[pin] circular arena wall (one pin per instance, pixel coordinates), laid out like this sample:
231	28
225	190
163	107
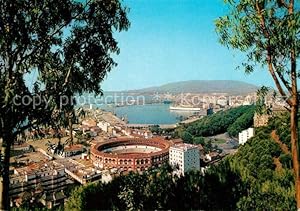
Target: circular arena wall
130	154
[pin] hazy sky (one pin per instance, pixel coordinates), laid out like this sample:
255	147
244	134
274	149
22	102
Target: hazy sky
174	40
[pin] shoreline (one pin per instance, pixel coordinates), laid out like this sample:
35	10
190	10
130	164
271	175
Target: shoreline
111	116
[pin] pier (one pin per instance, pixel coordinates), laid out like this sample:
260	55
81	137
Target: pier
163	126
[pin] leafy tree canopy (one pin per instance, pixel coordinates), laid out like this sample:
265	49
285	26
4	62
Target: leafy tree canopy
51	50
64	46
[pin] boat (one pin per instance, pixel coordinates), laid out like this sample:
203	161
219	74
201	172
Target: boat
183	108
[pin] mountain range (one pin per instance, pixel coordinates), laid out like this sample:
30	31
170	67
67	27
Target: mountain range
202	86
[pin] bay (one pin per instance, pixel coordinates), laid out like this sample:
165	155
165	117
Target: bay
148	113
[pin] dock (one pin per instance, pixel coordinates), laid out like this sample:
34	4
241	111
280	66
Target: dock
163	126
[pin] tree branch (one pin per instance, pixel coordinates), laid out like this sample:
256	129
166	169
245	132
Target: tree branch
283	80
277	83
30	125
25	56
269	54
67	76
293	63
282	2
291	6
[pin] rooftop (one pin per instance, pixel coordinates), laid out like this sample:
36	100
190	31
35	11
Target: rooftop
89	122
177	141
38	167
75	147
22	145
32	157
184	146
41	168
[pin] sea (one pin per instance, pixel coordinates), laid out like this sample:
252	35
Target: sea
148	114
145	109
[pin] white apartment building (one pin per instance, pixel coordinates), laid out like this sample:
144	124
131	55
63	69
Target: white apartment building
185	157
245	135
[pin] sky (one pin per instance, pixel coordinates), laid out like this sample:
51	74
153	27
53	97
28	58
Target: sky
175	40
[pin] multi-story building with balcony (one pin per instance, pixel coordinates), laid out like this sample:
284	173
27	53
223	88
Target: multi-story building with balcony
184	157
46	178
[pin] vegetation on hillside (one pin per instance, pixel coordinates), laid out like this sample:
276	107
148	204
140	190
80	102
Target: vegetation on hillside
267	180
233	121
156	189
264	171
243	122
267	32
219	122
257	177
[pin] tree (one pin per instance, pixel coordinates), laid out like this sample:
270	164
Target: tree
261	107
70	119
199	140
63	48
187	137
268	32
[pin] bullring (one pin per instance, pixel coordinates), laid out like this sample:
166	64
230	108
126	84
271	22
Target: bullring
130	154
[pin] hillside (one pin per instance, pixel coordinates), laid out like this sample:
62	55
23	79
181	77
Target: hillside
233	121
203	86
257	177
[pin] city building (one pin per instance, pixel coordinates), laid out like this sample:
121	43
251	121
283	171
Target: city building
261	120
104	126
94	131
46	178
89	122
23	147
212	156
222	101
185	157
83	172
245	135
71	150
54	199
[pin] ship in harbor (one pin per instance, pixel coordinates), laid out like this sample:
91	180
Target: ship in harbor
184	108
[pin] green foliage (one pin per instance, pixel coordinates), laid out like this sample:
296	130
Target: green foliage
254	162
268	32
221	122
157	189
65	64
286	160
282	125
246	180
156	129
243	29
66	47
242	122
199	140
221	188
261	94
187	137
